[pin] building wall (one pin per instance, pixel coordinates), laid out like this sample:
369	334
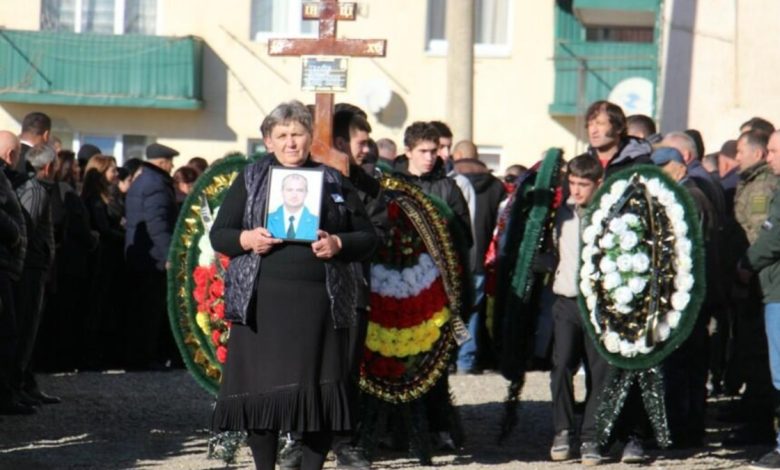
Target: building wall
242	83
731	72
716	72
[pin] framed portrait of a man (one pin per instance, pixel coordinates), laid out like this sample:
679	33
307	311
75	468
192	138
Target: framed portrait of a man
294	202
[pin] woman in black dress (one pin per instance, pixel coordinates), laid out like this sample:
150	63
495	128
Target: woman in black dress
291	353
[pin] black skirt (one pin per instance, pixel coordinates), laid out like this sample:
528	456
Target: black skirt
288	369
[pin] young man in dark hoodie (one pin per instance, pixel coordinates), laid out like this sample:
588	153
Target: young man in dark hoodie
489	192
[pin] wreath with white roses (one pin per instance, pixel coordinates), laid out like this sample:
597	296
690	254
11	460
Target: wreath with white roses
641	272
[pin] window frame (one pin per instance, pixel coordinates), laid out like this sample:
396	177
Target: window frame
491	150
119	17
294	23
438	47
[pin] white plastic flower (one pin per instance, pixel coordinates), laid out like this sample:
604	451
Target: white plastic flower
612	280
642	347
628	240
625	262
666	197
598	217
631	220
618	226
683	264
641	263
680	229
607	201
673	318
623	295
627	348
607	241
586	270
589	234
624	309
589	251
585	288
683	282
676	213
606	265
611	342
653	185
637	284
680	300
591	302
618	187
662	331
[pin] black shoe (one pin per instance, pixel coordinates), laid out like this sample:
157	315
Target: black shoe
633	452
24	398
42	397
290	455
15	408
770	460
352	458
590	453
561	447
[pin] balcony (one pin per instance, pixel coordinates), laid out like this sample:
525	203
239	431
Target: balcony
635	13
66	68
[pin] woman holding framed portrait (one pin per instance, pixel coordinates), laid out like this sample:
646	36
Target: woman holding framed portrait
295	233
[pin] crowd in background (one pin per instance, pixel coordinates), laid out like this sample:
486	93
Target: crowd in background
68	273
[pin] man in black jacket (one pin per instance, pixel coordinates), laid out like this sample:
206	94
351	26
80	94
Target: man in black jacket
35	198
489	192
13	243
36	129
151	215
609	140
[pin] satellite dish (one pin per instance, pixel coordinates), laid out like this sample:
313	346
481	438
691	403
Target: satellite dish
634	95
374	94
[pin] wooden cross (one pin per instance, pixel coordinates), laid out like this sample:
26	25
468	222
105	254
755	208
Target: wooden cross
328	12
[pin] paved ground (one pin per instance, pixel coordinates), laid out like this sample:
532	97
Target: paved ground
157	420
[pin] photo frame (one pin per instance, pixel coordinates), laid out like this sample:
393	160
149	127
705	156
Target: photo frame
294	203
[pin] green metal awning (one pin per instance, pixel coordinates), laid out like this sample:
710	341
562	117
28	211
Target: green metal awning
616	12
49	67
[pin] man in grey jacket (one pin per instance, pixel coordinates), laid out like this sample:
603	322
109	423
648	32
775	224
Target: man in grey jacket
571	344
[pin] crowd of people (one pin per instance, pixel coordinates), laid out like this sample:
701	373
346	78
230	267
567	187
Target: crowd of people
85	247
85	243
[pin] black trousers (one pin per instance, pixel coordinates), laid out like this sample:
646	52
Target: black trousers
685	383
148	329
8	335
571	346
29	308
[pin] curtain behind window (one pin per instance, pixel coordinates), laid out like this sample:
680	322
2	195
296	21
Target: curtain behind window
58	15
491	22
140	16
97	16
279	17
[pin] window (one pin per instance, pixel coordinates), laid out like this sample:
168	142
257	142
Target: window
619	34
490	156
100	16
491	27
280	18
121	147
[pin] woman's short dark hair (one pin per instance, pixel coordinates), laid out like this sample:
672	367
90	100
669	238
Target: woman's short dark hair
418	132
586	166
615	114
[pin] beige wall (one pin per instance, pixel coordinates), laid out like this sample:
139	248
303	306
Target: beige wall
242	83
726	76
733	67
